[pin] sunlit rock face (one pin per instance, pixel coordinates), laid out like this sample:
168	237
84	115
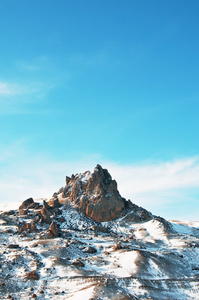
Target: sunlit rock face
96	195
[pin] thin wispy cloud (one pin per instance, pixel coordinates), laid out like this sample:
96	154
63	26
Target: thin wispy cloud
40	63
15	89
10	89
178	174
16	97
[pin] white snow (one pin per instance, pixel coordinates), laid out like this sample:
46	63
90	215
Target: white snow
140	264
123	263
9	206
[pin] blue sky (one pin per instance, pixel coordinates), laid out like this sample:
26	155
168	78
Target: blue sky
109	82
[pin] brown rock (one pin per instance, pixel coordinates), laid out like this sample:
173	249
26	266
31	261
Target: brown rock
54	203
45	204
13	246
46	213
53	230
33	226
96	195
67	180
22	228
78	263
90	249
23	212
117	247
34	205
8	231
8	213
32	275
25	204
28	226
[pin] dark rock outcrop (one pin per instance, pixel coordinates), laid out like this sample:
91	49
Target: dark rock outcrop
32	275
91	250
53	230
46	213
95	194
54	203
25	204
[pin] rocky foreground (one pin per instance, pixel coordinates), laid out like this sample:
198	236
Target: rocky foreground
87	242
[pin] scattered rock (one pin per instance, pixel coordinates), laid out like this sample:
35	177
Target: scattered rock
91	250
23	212
33	226
78	263
32	275
46	213
13	246
2	284
117	247
34	205
9	231
8	213
98	228
53	230
54	203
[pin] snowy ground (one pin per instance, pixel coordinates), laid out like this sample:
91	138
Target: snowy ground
115	260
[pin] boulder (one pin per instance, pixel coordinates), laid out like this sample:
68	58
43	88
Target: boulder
53	230
46	213
78	263
25	204
91	250
54	203
23	212
35	205
32	275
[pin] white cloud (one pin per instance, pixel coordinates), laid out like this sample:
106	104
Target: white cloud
14	89
166	188
178	174
16	97
8	89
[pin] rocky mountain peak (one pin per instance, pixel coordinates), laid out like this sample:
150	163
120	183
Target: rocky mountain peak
96	195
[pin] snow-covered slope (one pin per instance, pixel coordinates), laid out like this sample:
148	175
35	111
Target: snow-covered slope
119	259
87	242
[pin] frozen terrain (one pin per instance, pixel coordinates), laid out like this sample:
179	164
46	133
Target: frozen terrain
89	243
119	259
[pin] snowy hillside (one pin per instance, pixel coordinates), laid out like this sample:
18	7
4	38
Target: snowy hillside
55	251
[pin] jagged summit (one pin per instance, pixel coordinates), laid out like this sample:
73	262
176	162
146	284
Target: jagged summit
96	195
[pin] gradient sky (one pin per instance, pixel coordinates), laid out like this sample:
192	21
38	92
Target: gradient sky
109	82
